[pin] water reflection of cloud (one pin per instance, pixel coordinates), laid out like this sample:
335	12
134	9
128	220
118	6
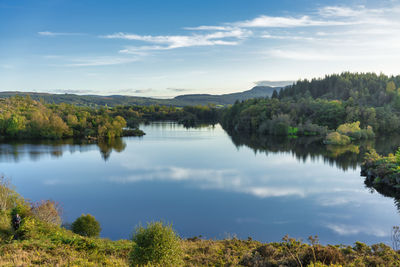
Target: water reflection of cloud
210	178
259	186
274	191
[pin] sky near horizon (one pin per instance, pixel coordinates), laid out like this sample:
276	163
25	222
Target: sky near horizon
163	48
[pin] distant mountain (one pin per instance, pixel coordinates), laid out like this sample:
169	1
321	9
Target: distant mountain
114	100
224	99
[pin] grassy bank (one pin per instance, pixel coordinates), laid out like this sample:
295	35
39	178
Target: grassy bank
65	249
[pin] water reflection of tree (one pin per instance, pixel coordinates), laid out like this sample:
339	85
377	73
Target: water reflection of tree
304	148
35	150
343	157
107	146
386	191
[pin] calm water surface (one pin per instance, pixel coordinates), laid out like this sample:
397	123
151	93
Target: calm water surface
208	184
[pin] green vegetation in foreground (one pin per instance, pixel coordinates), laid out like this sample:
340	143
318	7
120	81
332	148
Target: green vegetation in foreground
40	240
86	225
321	107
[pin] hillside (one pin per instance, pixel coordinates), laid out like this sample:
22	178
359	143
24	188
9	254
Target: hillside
114	100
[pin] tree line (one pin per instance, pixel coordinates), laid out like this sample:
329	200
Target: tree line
25	118
321	105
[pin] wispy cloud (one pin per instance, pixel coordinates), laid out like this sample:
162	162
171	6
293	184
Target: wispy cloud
286	22
166	42
338	34
100	61
73	91
135	91
287	37
343	229
48	33
209	28
86	61
305	55
178	89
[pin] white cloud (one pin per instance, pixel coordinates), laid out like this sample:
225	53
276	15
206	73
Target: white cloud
209	28
341	11
48	33
166	42
346	36
287	37
100	61
305	55
286	22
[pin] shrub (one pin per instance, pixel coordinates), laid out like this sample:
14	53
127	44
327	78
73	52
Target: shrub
8	196
349	128
29	229
86	225
22	208
397	155
48	211
157	244
336	138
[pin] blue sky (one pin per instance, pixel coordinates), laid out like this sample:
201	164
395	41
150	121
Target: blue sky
163	48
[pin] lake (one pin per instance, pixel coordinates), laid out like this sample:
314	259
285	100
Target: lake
208	183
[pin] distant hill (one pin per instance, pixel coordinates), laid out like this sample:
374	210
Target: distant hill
224	99
114	100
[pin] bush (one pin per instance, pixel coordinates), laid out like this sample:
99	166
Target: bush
47	211
349	128
157	244
8	196
86	225
336	138
30	229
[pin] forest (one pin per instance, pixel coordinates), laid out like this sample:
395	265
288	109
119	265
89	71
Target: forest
368	102
25	118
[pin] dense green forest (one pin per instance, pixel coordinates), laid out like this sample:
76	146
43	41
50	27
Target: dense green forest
320	106
22	117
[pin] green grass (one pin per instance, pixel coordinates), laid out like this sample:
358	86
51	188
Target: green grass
53	245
